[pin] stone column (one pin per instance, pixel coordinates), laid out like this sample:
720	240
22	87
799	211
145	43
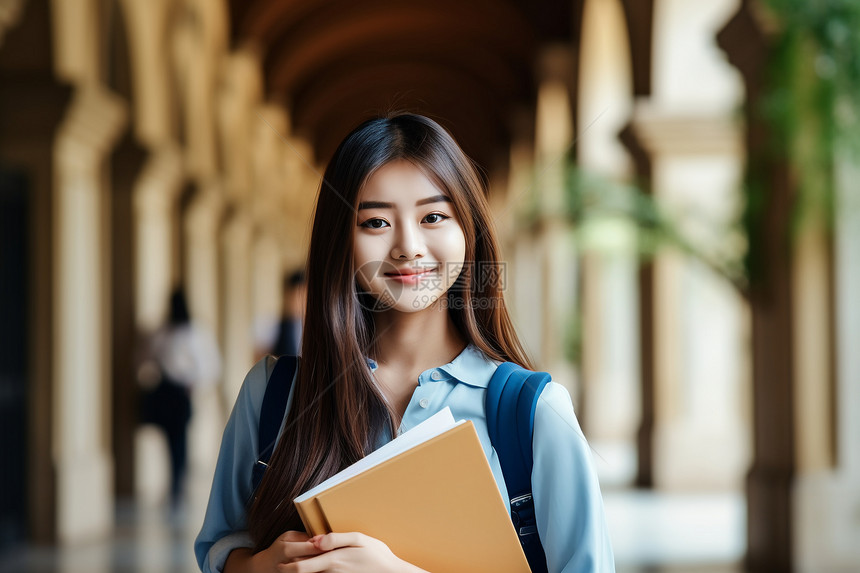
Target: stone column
82	304
270	185
297	192
199	41
155	196
826	527
770	480
81	281
512	215
699	319
202	277
237	248
237	104
146	22
607	243
204	285
554	241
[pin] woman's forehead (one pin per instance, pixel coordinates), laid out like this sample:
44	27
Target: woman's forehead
399	181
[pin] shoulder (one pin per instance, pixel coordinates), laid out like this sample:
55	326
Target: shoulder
556	426
250	397
555	394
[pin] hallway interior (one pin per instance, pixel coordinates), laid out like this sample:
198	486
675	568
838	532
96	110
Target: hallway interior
683	533
682	262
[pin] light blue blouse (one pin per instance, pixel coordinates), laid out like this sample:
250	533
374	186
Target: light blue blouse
568	504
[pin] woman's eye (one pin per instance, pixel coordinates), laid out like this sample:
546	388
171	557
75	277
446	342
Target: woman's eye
374	223
437	217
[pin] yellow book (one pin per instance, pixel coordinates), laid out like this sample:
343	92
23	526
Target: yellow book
432	499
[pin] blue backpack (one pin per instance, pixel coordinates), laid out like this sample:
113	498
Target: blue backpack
511	402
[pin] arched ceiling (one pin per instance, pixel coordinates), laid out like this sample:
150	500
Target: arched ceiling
467	63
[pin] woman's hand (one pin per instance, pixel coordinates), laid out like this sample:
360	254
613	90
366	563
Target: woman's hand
289	547
350	553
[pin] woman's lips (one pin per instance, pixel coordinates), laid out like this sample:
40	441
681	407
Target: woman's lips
410	278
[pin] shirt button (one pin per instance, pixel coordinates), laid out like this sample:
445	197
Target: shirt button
423	402
435	375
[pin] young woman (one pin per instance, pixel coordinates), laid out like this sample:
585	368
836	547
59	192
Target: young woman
404	317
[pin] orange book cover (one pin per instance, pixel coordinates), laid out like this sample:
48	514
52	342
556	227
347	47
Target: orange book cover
435	505
312	517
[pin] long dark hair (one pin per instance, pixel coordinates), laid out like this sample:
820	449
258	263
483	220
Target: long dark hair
179	314
337	411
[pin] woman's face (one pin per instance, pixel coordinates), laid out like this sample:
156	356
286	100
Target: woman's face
409	247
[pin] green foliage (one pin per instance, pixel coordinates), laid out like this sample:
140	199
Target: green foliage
595	201
812	94
611	218
810	104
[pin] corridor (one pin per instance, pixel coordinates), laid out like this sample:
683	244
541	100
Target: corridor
673	187
651	533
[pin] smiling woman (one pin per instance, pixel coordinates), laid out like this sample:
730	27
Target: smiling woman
400	323
409	246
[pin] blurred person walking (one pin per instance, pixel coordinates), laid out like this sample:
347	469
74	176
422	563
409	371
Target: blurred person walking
186	356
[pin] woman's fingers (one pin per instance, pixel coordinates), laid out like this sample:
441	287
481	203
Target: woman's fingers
316	564
294	545
331	541
341	552
294	536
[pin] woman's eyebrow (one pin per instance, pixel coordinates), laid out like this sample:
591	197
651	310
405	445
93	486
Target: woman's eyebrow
384	205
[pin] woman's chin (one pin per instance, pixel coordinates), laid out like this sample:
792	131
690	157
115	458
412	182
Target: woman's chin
411	305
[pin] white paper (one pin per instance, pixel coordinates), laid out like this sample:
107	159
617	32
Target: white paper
436	424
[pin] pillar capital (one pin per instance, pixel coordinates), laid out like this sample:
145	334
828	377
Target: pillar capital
92	126
237	104
147	22
161	177
76	40
665	131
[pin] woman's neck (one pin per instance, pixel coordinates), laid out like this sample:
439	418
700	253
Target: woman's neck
414	342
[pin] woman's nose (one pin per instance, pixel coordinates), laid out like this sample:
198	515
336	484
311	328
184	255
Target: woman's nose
408	243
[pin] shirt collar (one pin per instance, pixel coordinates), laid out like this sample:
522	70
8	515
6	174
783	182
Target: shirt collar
470	367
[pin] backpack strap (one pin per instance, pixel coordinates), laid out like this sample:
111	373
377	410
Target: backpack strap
272	414
512	398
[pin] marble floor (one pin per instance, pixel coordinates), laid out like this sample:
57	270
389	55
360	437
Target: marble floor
651	533
659	532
